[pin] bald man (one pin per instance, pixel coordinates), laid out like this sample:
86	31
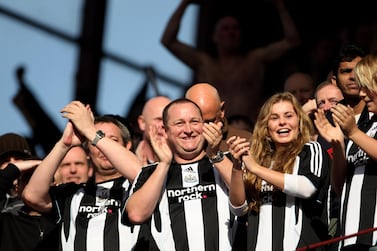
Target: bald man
151	115
207	98
301	85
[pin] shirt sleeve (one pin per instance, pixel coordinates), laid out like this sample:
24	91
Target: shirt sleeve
315	166
298	186
7	176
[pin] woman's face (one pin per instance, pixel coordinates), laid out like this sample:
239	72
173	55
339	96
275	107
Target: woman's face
370	99
283	125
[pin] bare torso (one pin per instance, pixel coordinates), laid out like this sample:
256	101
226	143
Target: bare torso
239	83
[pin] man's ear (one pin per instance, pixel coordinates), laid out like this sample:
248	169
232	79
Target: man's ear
333	79
90	171
222	109
129	145
141	122
164	130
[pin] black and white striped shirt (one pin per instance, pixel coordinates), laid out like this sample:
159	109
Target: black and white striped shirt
193	213
91	216
359	195
285	222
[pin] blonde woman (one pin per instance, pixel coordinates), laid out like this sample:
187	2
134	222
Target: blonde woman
281	179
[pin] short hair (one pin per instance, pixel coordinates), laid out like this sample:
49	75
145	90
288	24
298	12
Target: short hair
175	102
347	53
109	118
322	85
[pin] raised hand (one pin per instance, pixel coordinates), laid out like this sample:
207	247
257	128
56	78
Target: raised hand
159	143
24	165
71	137
213	134
345	117
332	134
80	115
238	147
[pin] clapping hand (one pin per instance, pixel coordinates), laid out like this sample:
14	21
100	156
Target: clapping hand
345	117
159	143
332	134
239	148
213	134
80	115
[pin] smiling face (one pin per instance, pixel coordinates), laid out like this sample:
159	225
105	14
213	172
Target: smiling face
184	127
370	99
283	124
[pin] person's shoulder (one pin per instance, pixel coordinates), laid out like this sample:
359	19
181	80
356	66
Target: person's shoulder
147	171
313	145
69	187
314	148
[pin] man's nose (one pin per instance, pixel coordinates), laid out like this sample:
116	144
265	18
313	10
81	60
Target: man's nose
187	127
73	168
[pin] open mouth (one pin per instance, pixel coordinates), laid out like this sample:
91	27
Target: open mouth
283	131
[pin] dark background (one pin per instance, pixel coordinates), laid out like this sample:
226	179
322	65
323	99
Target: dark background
323	26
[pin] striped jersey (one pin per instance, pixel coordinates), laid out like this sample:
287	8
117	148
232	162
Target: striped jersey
193	212
91	216
359	195
285	222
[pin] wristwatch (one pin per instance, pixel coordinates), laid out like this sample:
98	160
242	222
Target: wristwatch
99	135
218	157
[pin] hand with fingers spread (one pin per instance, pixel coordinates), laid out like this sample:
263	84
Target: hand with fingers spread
213	134
345	117
160	145
332	134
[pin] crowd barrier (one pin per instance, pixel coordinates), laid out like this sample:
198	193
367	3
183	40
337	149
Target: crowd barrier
336	239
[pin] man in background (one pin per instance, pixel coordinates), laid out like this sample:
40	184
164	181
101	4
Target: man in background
150	116
75	167
238	76
207	98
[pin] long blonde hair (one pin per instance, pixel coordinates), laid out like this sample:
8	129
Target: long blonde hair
263	149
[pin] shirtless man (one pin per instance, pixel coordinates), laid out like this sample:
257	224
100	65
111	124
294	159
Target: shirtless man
237	76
